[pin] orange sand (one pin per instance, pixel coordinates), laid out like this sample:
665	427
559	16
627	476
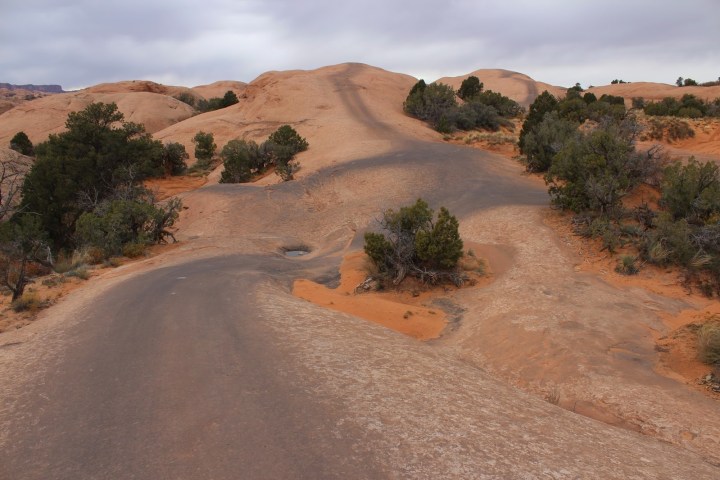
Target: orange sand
406	310
395	310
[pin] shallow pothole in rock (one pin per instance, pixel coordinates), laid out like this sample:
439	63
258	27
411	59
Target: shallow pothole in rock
296	251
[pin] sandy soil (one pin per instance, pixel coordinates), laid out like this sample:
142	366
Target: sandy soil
413	309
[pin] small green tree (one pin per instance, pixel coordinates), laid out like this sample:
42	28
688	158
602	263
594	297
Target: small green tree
229	99
286	136
174	158
440	247
205	148
239	161
545	140
412	244
22	144
544	103
470	87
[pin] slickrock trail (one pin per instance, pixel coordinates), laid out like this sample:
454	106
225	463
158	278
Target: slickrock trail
202	365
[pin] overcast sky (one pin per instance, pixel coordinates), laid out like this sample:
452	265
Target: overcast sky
79	43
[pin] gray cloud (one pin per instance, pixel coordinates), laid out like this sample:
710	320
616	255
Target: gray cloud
84	42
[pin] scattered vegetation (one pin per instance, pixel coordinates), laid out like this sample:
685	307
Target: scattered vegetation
84	194
414	242
685	82
242	160
591	165
215	103
29	302
670	129
688	106
437	104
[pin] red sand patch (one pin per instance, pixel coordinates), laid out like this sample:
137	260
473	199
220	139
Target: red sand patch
406	310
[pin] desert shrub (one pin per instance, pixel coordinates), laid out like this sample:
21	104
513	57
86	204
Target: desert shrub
689	106
504	106
543	104
29	302
22	144
670	242
174	158
594	170
638	102
691	191
431	103
627	265
709	342
94	255
80	272
286	136
240	160
187	98
545	140
470	87
679	130
216	103
134	249
413	244
114	224
589	98
205	147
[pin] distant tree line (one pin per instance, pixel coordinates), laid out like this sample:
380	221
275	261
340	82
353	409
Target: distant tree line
215	103
245	160
688	106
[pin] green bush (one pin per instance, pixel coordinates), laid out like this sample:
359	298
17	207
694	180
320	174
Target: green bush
216	103
545	140
286	136
22	144
544	103
117	223
205	147
187	98
174	158
414	244
470	87
627	265
240	160
691	191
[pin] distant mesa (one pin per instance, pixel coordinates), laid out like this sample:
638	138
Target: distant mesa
34	88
